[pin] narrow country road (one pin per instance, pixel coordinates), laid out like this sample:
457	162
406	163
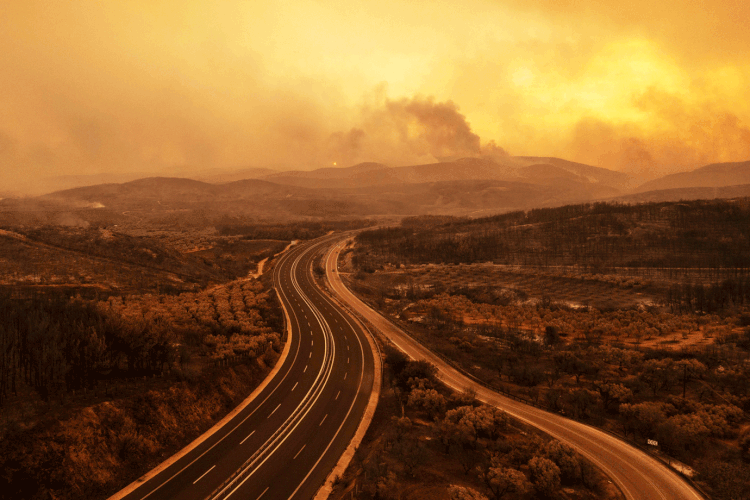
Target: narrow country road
639	476
286	440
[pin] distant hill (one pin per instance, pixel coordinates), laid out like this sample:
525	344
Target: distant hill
458	170
545	172
714	175
179	201
376	174
45	185
520	169
219	176
360	175
600	175
42	185
366	175
155	195
171	191
470	197
468	186
459	187
678	194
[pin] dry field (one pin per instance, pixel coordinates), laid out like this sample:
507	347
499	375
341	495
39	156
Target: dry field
534	284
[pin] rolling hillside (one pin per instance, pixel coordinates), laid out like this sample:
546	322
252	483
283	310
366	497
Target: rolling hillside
714	175
533	170
468	186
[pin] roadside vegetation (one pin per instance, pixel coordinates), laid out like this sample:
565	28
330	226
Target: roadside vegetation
426	442
98	388
105	260
663	356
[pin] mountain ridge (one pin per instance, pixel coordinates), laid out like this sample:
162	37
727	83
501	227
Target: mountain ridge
466	186
712	175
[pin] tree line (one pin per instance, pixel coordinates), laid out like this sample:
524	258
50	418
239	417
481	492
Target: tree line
489	452
55	345
711	298
696	234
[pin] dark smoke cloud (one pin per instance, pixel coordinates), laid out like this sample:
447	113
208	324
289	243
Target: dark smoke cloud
439	126
408	131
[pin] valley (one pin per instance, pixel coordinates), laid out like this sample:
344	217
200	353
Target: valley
628	317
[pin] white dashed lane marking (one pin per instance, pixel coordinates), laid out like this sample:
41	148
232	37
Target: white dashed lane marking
241	442
209	470
274	411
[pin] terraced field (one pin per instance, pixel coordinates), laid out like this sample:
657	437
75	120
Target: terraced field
601	292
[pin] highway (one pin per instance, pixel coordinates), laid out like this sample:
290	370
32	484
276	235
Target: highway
639	476
284	443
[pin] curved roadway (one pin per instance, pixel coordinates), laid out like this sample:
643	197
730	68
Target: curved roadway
284	443
638	475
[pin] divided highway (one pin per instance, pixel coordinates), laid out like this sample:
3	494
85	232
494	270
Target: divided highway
285	442
639	476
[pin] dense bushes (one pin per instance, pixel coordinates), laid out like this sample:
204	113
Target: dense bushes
622	369
696	234
55	345
104	447
487	451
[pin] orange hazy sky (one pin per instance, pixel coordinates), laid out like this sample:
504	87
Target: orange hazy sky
173	86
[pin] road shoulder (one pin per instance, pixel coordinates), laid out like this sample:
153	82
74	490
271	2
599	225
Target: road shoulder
346	458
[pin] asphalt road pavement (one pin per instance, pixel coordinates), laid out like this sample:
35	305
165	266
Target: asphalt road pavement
284	443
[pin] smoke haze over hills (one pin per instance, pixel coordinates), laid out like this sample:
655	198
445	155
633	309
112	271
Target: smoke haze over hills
173	88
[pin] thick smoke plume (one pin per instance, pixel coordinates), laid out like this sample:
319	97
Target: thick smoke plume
409	131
